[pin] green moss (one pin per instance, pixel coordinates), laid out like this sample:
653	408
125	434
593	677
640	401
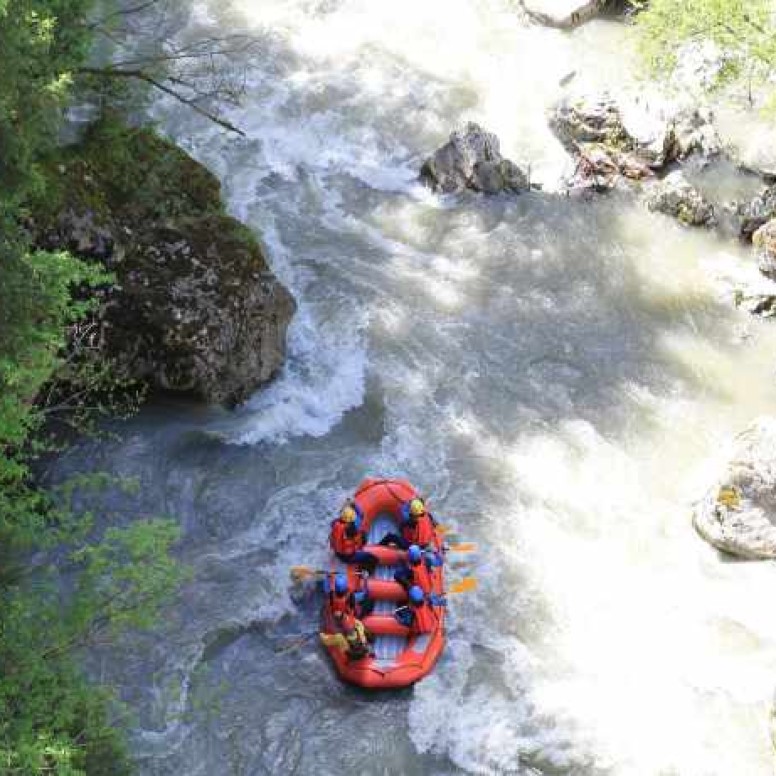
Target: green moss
129	173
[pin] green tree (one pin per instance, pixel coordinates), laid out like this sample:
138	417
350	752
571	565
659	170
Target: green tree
51	720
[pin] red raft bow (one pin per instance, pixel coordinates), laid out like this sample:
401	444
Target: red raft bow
400	654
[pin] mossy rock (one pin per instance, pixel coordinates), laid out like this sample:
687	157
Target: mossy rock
195	307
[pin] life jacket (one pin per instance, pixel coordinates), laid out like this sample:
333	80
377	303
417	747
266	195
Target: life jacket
421	576
341	542
420	531
358	643
340	603
423	618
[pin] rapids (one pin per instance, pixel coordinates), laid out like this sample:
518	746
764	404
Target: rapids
558	375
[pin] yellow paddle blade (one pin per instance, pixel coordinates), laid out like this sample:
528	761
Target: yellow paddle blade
464	547
298	573
464	586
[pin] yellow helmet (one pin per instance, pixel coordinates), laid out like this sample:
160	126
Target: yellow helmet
348	514
417	507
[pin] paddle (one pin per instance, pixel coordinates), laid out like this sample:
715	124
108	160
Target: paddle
463	547
295	643
300	573
465	585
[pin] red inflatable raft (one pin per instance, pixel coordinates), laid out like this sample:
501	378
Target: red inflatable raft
401	657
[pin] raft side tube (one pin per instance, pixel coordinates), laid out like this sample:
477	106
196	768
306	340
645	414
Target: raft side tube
386	556
380	625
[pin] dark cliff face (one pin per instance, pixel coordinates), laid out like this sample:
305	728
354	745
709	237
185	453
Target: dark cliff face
195	307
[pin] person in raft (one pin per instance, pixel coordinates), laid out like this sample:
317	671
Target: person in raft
418	569
353	638
347	538
418	615
342	600
417	527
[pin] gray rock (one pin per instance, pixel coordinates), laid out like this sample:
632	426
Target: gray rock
738	515
585	119
760	303
754	214
675	197
471	159
764	241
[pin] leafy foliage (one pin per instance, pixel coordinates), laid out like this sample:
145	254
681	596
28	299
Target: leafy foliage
742	31
51	720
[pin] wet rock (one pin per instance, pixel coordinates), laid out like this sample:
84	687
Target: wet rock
563	14
194	307
675	197
589	119
754	214
760	303
764	241
738	516
471	159
634	137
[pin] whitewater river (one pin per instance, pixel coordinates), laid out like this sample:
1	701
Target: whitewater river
559	376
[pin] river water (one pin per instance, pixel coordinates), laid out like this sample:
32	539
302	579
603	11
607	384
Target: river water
560	377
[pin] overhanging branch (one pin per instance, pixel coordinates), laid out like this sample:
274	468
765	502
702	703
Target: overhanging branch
141	75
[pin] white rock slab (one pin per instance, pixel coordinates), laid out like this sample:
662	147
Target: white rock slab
738	515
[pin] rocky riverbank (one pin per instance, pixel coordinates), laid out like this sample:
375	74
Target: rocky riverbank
194	307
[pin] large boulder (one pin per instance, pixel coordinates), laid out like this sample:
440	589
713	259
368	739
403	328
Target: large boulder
738	515
634	134
471	159
675	197
194	307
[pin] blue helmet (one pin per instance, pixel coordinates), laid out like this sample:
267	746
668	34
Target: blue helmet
340	584
416	595
413	553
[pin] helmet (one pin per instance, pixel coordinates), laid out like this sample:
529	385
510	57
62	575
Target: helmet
347	514
417	507
340	584
413	554
416	595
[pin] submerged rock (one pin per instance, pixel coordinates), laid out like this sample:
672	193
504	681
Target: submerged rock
738	516
471	159
675	197
195	307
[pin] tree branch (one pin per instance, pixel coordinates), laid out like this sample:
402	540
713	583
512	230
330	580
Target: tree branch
143	76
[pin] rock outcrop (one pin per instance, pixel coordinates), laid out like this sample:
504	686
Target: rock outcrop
636	143
471	159
195	307
738	516
674	196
